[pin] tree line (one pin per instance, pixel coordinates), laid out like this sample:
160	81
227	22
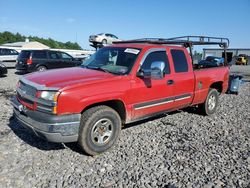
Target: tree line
8	37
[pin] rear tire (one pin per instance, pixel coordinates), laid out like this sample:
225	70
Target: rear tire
99	130
41	68
210	105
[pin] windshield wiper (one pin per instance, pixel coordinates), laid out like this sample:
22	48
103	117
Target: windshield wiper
97	68
101	69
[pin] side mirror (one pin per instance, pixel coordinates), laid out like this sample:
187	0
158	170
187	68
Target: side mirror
156	71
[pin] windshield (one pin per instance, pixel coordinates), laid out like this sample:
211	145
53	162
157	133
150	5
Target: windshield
116	60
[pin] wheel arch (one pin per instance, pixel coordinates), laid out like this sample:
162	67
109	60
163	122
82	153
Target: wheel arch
218	86
116	104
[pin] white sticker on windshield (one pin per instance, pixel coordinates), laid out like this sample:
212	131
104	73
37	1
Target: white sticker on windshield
131	50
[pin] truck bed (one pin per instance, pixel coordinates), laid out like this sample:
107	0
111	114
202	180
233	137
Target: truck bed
204	77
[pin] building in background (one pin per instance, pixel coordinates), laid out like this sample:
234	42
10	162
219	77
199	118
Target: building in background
34	45
18	46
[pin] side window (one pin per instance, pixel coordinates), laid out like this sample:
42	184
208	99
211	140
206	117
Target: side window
156	56
1	51
14	52
24	54
180	61
54	55
66	56
39	54
8	52
113	36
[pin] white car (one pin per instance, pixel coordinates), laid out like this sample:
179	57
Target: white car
103	38
8	55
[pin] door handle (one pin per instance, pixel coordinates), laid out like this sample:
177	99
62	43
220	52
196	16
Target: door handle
170	82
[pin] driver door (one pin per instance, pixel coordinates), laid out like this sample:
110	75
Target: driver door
150	96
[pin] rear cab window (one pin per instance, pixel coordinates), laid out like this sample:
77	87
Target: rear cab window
179	60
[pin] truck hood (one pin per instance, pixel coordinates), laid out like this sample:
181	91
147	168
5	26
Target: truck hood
68	77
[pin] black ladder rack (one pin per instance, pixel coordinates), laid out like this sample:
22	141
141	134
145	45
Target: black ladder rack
186	41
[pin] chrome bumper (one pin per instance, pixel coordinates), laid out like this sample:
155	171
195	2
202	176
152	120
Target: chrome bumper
54	128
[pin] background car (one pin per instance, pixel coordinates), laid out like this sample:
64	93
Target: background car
41	60
242	60
211	61
3	69
8	55
103	38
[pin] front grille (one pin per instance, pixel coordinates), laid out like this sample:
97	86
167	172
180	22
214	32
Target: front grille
30	102
29	90
26	93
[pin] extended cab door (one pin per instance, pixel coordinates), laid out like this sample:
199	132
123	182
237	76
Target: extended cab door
183	82
150	96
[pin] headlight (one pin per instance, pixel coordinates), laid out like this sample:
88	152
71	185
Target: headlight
47	101
49	95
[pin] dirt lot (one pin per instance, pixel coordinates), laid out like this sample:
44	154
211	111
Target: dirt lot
183	149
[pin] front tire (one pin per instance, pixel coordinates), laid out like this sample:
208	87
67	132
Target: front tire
99	130
210	105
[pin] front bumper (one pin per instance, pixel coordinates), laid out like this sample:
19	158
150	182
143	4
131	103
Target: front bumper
54	128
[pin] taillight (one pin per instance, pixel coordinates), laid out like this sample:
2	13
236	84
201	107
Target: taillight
29	61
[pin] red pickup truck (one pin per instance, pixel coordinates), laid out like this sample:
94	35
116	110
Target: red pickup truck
119	84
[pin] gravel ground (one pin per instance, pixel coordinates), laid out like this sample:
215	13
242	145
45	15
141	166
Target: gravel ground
242	70
182	149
